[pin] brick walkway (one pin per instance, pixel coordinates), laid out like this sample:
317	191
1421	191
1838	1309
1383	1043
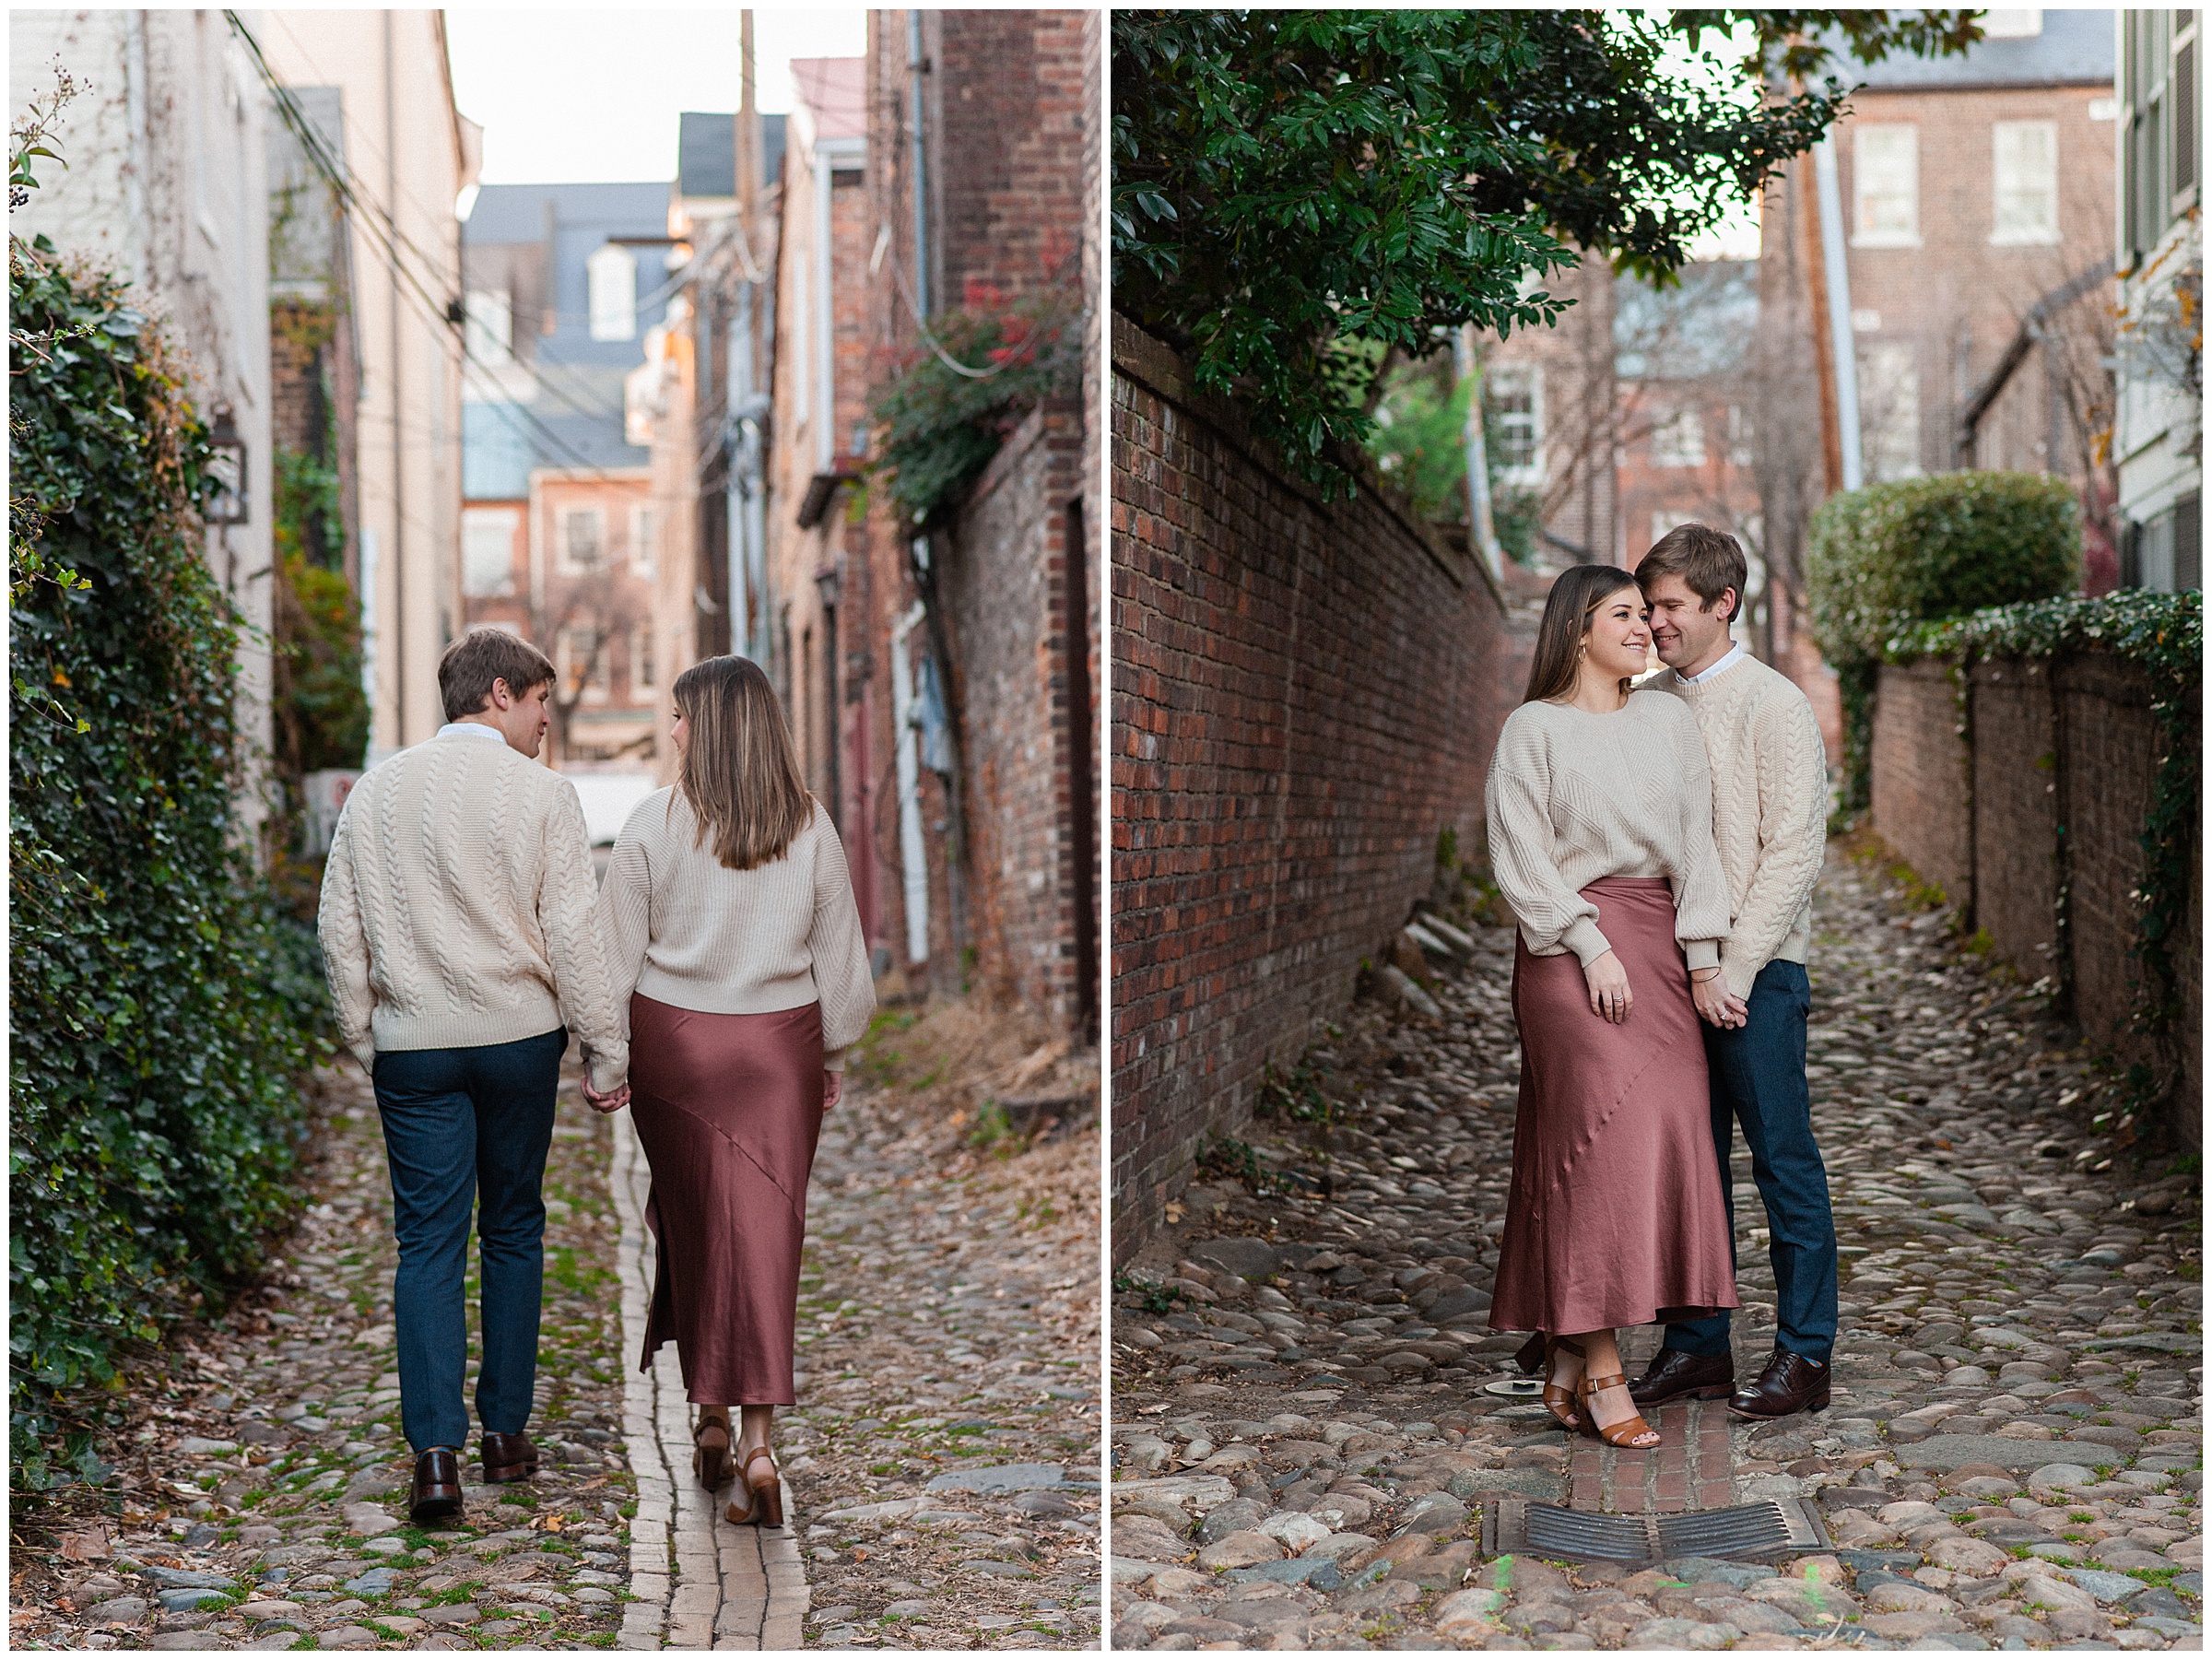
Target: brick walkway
1689	1470
699	1582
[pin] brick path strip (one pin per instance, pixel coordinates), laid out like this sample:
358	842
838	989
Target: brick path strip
699	1582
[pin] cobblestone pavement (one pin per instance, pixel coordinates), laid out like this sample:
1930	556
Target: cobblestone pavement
260	1496
1303	1443
944	1459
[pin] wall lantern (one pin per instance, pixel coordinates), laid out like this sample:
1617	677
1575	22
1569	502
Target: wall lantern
227	471
827	583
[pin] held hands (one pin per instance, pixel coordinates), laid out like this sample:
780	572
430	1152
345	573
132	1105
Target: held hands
613	1102
1610	998
1716	1004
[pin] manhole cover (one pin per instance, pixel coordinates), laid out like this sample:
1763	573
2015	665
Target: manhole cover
1522	1389
1770	1527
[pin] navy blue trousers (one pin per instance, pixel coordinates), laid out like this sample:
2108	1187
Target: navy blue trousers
1757	1071
468	1128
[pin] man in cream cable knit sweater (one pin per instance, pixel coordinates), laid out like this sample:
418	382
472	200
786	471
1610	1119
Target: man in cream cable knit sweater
457	934
1770	811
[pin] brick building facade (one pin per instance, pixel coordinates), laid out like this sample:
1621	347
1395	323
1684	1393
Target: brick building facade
1305	701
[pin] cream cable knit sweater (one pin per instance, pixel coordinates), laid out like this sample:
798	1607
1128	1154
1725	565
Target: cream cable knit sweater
1574	797
684	930
1770	809
457	909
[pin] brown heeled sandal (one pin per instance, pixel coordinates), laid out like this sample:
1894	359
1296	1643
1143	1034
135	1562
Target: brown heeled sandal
1630	1431
1560	1397
764	1499
712	1464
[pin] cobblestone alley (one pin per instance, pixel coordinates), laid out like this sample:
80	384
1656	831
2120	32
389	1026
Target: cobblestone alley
1303	1443
941	1468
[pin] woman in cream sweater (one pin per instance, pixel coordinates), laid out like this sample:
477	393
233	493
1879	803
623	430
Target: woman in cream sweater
1601	835
738	951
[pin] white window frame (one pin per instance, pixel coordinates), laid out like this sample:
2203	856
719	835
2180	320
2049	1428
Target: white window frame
1517	378
578	640
644	532
611	280
1678	439
478	527
488	330
641	685
564	542
1867	139
1892	424
2020	233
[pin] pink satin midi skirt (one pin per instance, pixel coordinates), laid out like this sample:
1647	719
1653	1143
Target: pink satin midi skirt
1615	1217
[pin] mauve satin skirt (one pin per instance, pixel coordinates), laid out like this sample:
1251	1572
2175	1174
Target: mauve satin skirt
728	1107
1615	1215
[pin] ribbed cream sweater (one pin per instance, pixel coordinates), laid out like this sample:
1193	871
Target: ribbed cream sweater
684	929
1770	809
1574	797
457	908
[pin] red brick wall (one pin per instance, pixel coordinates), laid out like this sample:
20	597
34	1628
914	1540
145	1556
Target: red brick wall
1304	696
2016	813
1004	587
2069	743
1920	806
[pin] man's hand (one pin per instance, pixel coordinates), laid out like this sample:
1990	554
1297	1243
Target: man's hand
613	1102
833	1089
1717	1005
1610	997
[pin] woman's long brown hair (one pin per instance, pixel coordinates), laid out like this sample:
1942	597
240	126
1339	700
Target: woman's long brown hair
740	769
1576	593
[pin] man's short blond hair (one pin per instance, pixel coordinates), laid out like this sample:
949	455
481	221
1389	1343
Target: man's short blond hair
1709	562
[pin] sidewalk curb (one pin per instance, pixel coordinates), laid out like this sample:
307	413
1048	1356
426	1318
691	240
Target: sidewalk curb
698	1582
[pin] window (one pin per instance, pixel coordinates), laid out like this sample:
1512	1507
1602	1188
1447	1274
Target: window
2159	121
642	683
579	654
583	540
611	274
1678	439
490	328
1885	166
1515	395
488	552
643	525
1664	519
1889	411
2026	184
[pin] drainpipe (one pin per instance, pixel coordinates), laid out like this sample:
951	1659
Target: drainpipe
1480	527
917	66
1836	269
912	860
399	557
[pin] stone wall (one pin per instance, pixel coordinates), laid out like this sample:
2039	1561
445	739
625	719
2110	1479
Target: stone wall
2044	852
1304	695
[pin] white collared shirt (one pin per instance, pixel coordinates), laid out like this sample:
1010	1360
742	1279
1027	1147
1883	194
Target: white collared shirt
1728	662
478	729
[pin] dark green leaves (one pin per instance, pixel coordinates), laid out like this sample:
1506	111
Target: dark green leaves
1293	188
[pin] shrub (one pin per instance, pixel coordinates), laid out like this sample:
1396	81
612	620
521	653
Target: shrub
162	1012
1882	558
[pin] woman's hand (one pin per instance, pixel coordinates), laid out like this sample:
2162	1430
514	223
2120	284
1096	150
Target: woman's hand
1610	998
833	1089
1716	1005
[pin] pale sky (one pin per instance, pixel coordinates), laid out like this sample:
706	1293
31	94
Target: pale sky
575	96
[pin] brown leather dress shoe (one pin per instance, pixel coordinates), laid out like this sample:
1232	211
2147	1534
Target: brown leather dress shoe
1790	1384
435	1494
1673	1374
508	1457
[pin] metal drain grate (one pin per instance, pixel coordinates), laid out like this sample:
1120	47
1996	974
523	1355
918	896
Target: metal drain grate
1770	1527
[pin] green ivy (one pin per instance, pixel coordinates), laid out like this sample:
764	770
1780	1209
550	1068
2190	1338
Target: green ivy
1882	558
2162	634
161	1009
938	428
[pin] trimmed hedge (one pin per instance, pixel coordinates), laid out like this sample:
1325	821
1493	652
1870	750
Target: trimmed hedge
162	1008
1882	558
